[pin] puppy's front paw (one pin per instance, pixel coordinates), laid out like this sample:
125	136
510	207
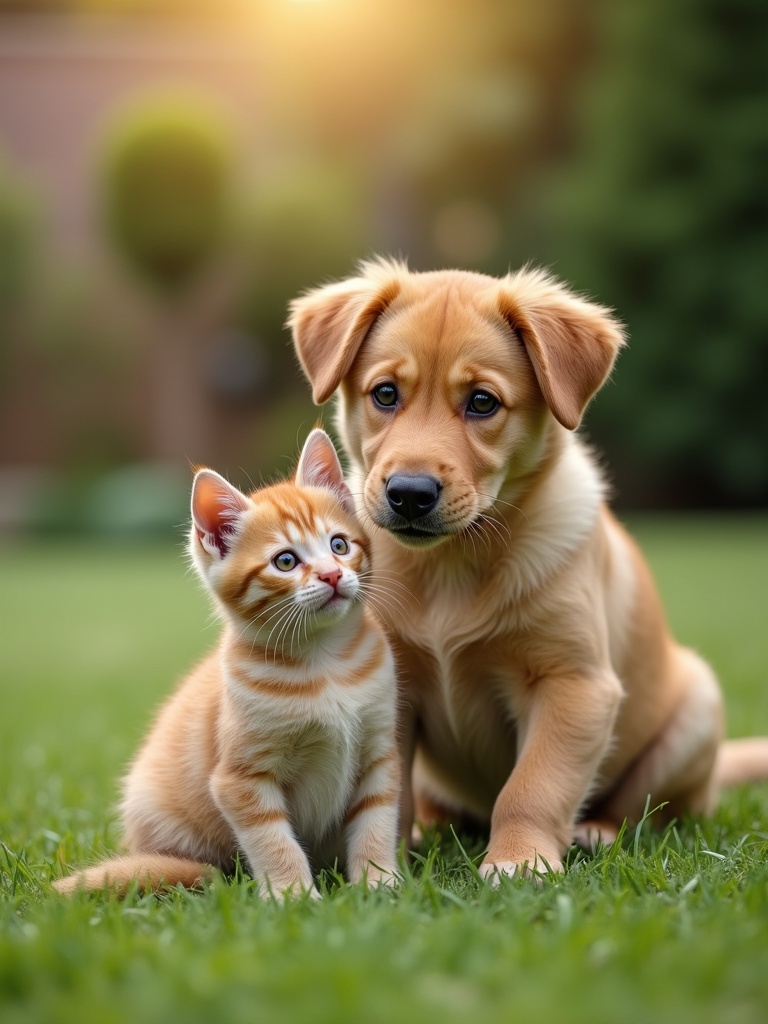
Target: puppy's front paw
493	871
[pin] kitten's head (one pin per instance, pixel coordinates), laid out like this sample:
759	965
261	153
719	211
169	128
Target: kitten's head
285	559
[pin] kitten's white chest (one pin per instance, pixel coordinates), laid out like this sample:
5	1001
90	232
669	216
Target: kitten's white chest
320	769
312	746
312	729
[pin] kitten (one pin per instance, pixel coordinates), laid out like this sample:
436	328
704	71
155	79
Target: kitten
280	745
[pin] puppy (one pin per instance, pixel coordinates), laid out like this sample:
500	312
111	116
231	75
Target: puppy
542	691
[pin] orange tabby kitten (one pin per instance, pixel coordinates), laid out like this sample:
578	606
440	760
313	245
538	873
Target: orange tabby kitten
280	745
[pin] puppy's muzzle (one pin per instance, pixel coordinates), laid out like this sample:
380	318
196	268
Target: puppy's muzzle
412	497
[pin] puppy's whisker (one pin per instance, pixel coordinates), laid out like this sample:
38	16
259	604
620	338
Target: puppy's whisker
501	532
496	500
475	529
469	534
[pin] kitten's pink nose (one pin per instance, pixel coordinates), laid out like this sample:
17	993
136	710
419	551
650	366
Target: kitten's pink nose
331	575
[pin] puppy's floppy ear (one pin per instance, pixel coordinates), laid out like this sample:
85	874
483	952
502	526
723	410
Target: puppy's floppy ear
329	325
572	343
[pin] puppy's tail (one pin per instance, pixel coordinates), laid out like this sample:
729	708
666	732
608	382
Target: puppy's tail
744	760
151	872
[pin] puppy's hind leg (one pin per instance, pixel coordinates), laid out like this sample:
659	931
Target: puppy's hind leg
677	768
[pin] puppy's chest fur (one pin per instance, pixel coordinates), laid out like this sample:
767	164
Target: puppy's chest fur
463	666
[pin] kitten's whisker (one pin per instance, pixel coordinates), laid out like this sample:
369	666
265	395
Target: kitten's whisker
286	616
283	634
388	583
380	607
296	630
280	639
274	611
394	594
370	591
381	601
279	607
384	577
297	625
378	603
366	518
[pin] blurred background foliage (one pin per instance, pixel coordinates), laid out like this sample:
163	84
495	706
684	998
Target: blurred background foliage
233	153
166	187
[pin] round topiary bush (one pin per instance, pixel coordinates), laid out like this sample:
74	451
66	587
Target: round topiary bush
167	175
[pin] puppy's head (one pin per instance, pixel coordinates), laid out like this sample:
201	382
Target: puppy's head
452	385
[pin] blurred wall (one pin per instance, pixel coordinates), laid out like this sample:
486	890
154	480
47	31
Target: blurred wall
63	78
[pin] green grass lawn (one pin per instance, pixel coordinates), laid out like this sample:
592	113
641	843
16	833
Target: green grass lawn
664	927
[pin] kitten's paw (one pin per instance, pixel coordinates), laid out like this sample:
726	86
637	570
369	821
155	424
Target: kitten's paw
282	891
375	876
493	871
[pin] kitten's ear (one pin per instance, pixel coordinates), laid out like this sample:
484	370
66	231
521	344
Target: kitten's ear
216	507
319	466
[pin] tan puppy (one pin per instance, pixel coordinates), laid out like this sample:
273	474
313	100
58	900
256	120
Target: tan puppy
541	686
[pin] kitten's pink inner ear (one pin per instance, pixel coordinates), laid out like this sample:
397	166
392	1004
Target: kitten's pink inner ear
216	506
319	466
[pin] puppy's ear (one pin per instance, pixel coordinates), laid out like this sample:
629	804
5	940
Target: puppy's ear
572	343
329	325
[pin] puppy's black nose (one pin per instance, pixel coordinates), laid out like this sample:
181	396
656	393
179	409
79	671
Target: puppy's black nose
412	496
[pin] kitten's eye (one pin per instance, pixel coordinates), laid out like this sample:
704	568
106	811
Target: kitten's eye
339	545
385	395
482	404
285	561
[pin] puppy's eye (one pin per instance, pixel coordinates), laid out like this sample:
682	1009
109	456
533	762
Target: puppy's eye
482	404
339	545
285	561
385	395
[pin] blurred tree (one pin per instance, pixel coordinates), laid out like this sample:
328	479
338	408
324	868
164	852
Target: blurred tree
18	224
663	213
167	188
168	197
18	258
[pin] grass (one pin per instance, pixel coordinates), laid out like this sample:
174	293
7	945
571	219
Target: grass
669	926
